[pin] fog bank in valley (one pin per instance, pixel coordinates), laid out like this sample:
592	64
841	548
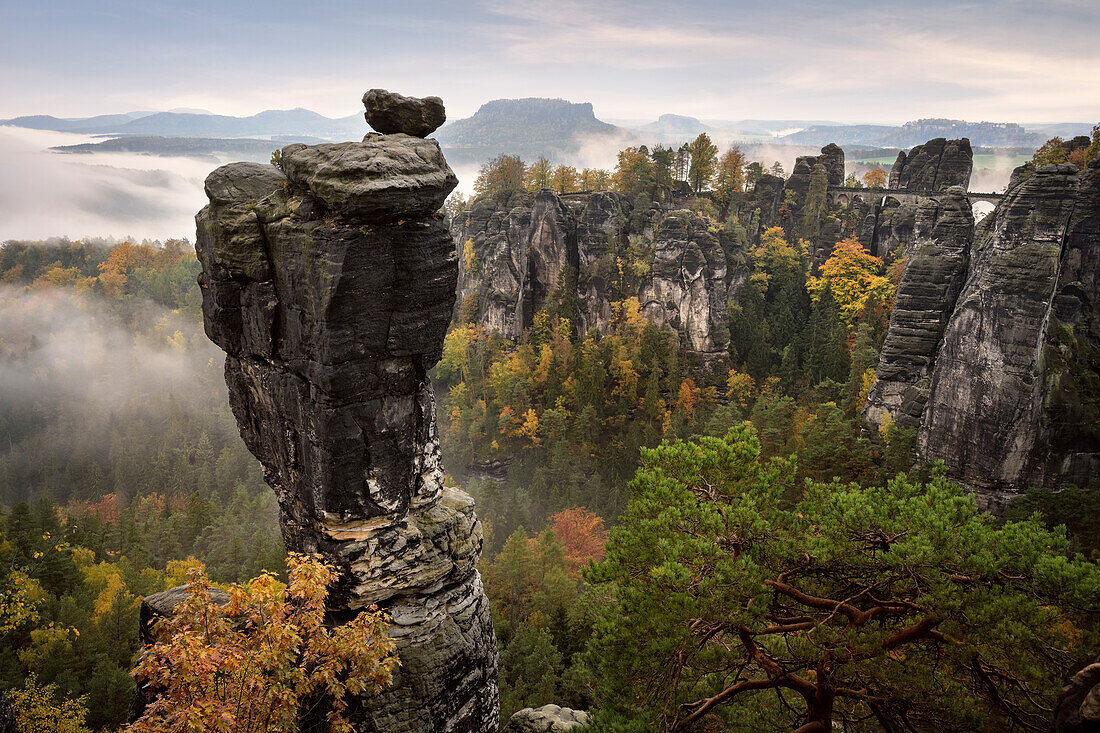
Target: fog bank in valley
58	344
45	194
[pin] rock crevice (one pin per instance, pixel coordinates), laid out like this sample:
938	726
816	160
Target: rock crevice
994	343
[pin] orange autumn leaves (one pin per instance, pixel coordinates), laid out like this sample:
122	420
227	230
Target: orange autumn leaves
249	665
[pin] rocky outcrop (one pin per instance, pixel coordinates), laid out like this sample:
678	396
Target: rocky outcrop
687	289
391	113
547	719
935	166
1078	707
330	284
535	251
1009	389
163	605
937	237
831	159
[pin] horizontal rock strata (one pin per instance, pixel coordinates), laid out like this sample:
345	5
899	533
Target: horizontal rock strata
329	284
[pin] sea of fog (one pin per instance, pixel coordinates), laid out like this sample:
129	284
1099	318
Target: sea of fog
129	195
45	194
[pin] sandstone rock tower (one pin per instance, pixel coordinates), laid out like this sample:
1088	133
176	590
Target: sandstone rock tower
329	283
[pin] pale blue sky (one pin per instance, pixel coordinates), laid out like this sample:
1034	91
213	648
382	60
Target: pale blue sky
847	60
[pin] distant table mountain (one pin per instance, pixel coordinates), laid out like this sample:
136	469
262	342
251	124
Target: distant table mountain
529	128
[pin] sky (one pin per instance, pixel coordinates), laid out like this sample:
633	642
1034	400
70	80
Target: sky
843	60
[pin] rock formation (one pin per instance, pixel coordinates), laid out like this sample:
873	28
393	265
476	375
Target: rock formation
539	248
993	345
547	719
330	284
1078	707
935	166
392	113
831	159
938	241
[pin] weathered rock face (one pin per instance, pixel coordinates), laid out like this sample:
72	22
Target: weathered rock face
1078	707
798	184
391	113
935	166
537	248
832	157
383	178
330	289
687	289
1001	379
938	242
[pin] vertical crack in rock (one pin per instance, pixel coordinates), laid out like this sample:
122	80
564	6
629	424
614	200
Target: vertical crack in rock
535	248
994	340
330	284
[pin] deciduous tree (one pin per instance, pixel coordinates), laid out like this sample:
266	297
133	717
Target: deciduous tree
704	160
501	176
539	175
250	665
875	178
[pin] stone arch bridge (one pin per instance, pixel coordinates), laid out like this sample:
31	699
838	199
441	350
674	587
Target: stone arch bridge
843	196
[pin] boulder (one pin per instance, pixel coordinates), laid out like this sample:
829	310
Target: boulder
385	177
1078	707
547	719
391	113
933	167
163	605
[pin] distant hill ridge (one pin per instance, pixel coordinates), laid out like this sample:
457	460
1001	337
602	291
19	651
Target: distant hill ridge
290	122
530	127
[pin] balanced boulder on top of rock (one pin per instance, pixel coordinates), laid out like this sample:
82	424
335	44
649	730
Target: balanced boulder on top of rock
329	283
391	113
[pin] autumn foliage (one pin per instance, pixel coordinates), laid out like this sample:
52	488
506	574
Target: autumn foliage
266	656
852	273
875	178
582	533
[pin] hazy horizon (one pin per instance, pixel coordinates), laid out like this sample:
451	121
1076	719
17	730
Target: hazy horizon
853	61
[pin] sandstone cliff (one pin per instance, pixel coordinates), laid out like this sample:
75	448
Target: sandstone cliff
993	347
329	283
934	166
591	251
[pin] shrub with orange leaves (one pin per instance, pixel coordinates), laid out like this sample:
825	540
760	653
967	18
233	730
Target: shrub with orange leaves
254	663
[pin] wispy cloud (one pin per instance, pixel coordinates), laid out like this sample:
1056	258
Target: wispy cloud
608	34
869	60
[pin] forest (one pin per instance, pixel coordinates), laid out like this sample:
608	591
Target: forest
629	491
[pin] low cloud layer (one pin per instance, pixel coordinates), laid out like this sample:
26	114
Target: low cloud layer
59	345
44	194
